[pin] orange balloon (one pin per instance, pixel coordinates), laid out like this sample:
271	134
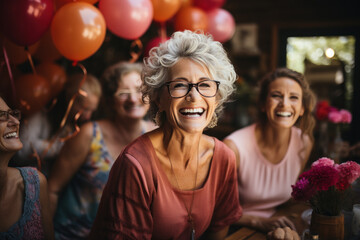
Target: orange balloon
54	74
78	30
47	50
33	92
16	53
191	18
186	3
60	3
165	9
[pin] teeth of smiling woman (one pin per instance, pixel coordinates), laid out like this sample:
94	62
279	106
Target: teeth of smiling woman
10	135
284	114
192	111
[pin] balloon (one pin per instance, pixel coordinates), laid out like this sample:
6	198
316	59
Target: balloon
78	30
16	53
191	18
221	24
54	74
127	19
60	3
5	83
186	3
33	92
165	9
155	42
47	50
208	5
25	21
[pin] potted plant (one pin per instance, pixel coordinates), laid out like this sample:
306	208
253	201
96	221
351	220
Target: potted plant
325	186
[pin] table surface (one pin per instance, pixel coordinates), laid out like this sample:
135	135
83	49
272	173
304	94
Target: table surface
292	210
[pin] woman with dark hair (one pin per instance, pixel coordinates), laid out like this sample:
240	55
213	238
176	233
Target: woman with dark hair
271	153
24	202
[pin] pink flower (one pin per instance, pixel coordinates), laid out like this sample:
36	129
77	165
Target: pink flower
323	162
335	117
302	190
321	177
345	116
349	172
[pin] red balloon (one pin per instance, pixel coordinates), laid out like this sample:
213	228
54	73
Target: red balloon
25	21
47	50
33	92
54	74
78	30
17	54
208	5
60	3
155	42
127	19
221	24
191	18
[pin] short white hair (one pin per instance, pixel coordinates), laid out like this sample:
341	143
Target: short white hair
196	46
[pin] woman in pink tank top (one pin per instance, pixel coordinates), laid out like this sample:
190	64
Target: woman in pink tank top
271	153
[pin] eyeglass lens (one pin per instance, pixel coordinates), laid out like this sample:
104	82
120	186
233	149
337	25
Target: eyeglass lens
4	115
207	88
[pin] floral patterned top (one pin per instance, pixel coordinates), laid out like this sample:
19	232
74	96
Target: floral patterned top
29	225
78	203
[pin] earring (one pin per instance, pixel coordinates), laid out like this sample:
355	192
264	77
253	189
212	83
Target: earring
213	121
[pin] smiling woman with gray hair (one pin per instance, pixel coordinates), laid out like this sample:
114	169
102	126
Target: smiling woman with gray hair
175	182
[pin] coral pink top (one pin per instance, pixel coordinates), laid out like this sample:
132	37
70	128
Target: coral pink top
139	202
262	184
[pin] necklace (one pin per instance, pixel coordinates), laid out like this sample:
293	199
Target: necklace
190	218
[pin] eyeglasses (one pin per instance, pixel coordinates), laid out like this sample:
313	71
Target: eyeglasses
125	94
4	115
179	89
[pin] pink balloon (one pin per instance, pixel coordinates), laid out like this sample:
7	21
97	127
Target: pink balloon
221	24
25	21
127	19
208	5
155	42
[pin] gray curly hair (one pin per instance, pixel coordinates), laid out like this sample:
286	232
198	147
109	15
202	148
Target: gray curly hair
198	47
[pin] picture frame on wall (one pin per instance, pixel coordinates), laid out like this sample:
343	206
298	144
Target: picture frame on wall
245	39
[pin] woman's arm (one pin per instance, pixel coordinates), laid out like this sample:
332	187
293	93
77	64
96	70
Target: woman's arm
308	147
72	156
233	147
44	208
265	224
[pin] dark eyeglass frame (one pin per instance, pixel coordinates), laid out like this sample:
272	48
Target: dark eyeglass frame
15	113
191	85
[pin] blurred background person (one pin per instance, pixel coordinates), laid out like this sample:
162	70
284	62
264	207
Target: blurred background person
24	206
175	182
274	151
80	173
41	132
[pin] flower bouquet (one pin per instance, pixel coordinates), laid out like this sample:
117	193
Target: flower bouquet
324	185
326	112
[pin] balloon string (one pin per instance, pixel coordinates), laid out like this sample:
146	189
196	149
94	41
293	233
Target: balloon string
36	155
135	54
162	32
10	74
52	105
30	59
77	115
